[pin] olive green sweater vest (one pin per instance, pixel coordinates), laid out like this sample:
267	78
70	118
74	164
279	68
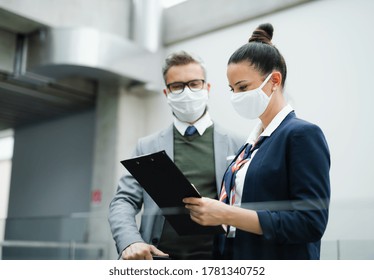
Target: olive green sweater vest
194	156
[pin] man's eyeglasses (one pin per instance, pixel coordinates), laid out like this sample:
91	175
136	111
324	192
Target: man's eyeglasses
193	85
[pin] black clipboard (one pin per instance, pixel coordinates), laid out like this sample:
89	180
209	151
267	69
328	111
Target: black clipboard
167	186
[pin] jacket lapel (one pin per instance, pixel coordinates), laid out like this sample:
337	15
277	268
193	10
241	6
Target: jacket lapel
220	155
165	142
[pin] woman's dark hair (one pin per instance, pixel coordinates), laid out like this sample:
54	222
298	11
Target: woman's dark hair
260	53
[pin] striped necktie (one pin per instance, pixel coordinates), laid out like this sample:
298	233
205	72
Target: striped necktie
228	184
227	194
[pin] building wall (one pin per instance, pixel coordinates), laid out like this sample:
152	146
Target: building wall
50	183
7	50
5	169
328	49
52	164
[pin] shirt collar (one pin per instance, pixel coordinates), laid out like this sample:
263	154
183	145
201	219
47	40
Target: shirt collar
273	125
201	125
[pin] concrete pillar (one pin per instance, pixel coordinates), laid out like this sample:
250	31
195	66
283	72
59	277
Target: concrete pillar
6	151
120	122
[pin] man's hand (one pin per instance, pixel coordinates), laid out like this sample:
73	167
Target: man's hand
141	251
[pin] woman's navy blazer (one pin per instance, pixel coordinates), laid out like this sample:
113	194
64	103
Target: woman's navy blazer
288	184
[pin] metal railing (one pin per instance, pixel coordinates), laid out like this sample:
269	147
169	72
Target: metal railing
347	249
71	247
331	250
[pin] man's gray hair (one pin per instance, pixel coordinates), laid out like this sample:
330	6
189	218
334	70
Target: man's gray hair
181	58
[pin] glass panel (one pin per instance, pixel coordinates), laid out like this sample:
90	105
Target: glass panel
56	238
65	238
347	250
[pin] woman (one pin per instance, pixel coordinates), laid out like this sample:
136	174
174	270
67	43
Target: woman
277	189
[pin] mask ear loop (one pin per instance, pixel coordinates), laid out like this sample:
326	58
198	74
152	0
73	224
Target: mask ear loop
266	80
264	83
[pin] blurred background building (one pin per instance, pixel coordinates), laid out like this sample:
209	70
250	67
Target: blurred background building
80	82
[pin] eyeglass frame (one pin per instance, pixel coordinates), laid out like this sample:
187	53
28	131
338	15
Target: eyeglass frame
186	84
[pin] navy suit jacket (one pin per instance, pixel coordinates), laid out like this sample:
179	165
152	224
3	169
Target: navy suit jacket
288	184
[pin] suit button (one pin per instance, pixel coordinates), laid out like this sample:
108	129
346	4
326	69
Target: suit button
154	240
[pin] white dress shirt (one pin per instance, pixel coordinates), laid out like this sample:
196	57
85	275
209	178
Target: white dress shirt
254	135
201	125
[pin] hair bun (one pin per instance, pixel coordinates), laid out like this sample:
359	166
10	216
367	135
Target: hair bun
262	34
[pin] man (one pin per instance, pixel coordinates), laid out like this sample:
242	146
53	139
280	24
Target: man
199	148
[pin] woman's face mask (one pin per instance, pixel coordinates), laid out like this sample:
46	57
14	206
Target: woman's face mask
252	103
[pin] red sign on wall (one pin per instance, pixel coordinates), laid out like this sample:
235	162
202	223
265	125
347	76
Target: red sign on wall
96	196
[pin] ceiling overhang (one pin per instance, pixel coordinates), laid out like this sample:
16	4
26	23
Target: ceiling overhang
47	72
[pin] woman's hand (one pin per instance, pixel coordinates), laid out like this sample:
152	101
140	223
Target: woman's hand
211	212
206	211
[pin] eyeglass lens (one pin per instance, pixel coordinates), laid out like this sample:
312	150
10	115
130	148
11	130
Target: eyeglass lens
178	87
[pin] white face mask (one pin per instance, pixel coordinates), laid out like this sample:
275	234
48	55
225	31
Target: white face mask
188	106
252	103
